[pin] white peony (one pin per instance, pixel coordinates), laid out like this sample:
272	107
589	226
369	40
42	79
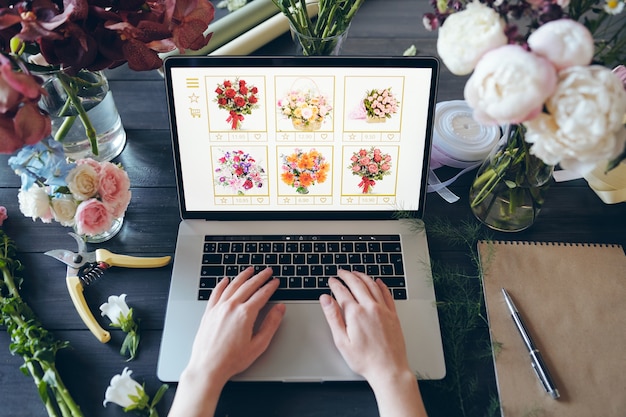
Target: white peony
35	203
467	35
509	85
564	42
584	125
64	209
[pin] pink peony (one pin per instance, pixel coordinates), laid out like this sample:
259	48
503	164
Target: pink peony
509	85
114	188
564	42
92	218
3	214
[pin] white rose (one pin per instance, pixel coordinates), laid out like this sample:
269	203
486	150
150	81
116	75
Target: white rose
35	203
83	181
563	42
466	35
584	122
509	85
64	209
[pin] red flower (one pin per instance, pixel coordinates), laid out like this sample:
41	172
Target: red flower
227	84
240	101
243	90
252	100
230	93
219	90
254	90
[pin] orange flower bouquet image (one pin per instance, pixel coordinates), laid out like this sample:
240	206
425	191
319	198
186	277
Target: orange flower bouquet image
301	170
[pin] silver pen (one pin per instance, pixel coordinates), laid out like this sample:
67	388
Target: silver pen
540	368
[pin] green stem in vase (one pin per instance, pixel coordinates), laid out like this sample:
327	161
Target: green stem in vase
72	97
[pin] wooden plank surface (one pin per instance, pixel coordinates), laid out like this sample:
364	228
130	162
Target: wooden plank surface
382	27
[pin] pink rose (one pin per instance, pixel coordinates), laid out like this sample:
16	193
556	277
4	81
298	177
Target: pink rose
3	214
364	161
91	162
114	188
372	168
385	167
92	218
356	168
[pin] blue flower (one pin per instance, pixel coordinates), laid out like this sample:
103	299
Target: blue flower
43	163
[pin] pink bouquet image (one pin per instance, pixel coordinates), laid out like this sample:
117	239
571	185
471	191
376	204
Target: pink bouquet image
370	165
380	104
239	171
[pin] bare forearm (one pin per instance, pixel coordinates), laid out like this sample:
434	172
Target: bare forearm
196	396
399	397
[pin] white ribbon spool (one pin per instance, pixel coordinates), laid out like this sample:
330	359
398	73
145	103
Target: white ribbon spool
458	142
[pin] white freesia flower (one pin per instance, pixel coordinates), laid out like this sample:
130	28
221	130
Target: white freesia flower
64	209
467	35
584	125
509	85
564	42
83	181
121	388
115	309
121	316
35	203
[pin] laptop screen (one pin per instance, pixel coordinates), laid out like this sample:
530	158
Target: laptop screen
301	137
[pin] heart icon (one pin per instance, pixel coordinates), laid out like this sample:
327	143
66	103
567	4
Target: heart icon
390	136
323	199
259	199
324	135
257	136
386	199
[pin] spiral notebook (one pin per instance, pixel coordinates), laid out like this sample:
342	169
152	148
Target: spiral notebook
573	300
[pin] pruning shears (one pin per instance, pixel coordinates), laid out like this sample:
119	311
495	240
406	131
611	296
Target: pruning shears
83	268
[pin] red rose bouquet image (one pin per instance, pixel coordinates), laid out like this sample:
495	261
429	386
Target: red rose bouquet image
238	98
370	165
239	171
304	169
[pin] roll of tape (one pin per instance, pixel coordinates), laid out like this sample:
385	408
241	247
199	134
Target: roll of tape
458	138
458	142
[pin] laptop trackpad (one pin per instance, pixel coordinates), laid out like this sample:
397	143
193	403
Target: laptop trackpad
302	339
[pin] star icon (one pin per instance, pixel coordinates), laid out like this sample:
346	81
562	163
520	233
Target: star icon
193	98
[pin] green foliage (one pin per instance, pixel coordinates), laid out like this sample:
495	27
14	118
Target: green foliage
460	302
29	339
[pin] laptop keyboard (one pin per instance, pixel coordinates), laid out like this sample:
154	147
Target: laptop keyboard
303	264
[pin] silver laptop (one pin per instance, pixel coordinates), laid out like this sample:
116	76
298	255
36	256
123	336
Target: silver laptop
301	164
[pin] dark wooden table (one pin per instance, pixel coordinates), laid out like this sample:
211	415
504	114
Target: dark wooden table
572	213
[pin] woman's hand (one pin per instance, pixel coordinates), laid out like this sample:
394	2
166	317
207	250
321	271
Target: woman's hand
226	342
367	332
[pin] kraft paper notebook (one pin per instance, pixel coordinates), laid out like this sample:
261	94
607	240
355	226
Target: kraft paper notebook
573	300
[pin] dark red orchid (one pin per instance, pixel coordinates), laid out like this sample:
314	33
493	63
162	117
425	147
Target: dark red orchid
21	121
85	34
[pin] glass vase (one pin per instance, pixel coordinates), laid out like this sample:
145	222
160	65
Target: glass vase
84	116
309	45
108	234
510	185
